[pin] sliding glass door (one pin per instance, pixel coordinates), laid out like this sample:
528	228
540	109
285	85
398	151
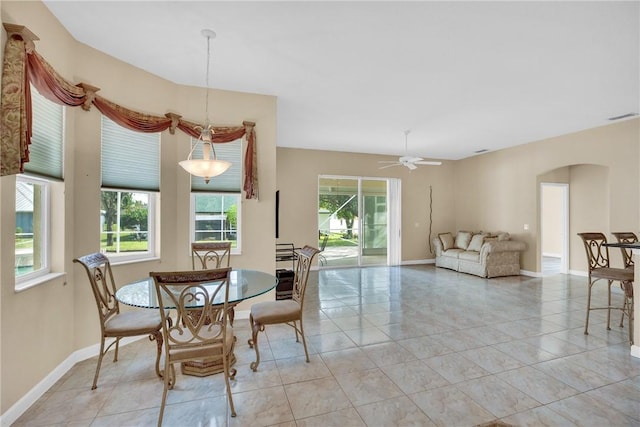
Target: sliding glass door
353	221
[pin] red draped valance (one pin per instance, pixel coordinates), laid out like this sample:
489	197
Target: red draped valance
22	64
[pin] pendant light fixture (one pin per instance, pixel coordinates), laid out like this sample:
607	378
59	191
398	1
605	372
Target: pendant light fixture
209	166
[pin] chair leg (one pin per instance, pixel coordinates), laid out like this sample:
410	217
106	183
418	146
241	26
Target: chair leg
304	341
253	342
115	354
157	337
609	304
168	374
225	362
95	377
586	322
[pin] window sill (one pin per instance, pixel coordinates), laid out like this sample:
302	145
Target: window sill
40	280
114	261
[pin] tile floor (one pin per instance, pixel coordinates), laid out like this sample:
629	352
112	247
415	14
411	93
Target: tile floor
399	346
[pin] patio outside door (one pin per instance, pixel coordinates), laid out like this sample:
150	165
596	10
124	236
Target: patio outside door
354	213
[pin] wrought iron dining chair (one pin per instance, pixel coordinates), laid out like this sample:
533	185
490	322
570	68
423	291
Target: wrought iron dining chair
627	259
323	246
286	311
113	322
209	255
599	269
201	329
626	237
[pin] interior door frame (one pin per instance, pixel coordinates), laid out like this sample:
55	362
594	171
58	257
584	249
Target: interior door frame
564	212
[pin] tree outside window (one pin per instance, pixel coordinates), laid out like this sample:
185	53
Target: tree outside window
124	222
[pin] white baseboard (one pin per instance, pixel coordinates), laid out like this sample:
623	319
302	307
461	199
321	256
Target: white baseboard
418	261
551	255
578	273
635	351
26	401
530	273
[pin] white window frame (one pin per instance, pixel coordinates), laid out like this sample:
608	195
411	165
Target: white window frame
150	253
237	250
27	280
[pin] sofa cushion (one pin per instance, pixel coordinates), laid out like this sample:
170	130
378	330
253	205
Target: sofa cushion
469	256
476	242
447	240
504	236
453	252
462	239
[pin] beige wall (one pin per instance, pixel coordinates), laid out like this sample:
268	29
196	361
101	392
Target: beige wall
58	317
500	190
297	181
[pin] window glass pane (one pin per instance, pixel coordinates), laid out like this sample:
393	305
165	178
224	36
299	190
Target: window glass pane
31	238
125	223
130	160
231	180
216	218
45	151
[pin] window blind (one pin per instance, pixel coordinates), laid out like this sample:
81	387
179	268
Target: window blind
130	160
231	180
46	149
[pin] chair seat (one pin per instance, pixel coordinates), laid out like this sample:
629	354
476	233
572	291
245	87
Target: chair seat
610	273
132	323
272	312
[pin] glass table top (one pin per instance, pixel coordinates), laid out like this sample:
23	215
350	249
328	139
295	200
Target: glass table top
244	284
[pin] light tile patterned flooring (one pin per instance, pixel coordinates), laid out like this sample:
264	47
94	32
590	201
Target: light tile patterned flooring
395	346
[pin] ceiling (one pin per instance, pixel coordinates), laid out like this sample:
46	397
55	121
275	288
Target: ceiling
353	76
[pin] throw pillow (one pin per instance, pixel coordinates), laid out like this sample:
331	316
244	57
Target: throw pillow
447	240
476	242
503	236
462	239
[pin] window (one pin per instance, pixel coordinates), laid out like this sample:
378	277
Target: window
215	207
125	222
216	218
32	228
33	244
130	185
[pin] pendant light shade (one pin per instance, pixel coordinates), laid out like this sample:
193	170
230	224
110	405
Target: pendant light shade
208	166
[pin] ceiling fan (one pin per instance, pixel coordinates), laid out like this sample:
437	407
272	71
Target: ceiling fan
406	160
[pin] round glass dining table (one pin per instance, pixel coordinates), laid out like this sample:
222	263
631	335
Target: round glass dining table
244	284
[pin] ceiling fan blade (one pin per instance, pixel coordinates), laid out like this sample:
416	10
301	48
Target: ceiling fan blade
391	165
411	166
432	163
388	161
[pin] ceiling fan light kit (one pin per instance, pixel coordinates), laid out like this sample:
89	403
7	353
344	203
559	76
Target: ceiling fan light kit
409	162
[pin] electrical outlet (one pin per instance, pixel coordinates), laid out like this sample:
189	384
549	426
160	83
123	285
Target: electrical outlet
526	227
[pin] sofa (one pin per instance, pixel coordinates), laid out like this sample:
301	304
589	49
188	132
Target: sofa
482	254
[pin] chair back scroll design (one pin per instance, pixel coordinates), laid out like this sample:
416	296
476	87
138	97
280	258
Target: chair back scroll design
209	255
103	285
201	329
597	254
305	257
113	323
626	237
